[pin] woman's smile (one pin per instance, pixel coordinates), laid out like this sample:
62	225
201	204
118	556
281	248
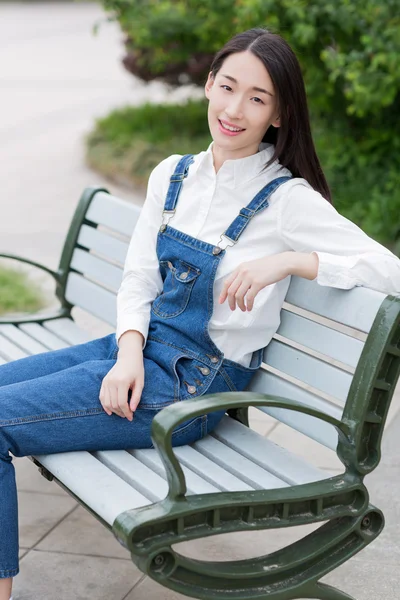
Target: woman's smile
229	129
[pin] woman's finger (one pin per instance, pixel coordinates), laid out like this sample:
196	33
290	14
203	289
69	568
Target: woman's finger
122	394
136	394
240	294
250	296
106	400
114	401
232	292
227	283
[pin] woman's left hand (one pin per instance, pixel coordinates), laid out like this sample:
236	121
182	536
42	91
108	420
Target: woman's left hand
252	276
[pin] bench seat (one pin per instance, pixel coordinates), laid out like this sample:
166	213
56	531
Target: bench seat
232	458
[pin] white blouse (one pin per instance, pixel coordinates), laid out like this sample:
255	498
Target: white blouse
298	218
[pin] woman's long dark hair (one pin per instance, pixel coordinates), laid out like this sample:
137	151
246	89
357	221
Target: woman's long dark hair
294	146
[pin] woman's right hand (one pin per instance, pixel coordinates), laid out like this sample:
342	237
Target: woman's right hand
127	374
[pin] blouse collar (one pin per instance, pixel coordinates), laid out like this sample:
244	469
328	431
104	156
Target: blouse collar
240	170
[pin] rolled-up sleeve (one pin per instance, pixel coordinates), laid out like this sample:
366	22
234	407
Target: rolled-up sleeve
142	282
348	257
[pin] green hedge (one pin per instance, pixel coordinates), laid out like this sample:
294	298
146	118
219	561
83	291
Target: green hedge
17	294
348	50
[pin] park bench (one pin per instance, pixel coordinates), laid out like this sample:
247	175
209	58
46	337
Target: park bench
329	373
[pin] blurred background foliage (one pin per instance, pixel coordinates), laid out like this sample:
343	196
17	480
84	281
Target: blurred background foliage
349	53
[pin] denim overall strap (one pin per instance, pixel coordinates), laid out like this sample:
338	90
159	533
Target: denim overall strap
175	185
259	203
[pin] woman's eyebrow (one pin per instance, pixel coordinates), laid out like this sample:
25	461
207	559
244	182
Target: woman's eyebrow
256	89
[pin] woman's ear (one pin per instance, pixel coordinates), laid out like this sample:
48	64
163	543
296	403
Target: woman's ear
277	122
209	84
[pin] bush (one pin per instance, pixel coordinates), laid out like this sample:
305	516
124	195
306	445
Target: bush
349	56
16	294
131	141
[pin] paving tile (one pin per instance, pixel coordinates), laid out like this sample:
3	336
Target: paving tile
38	513
48	575
394	406
148	589
30	480
23	551
300	444
81	533
362	580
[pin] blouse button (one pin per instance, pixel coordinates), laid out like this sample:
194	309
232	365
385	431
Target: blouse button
191	389
205	370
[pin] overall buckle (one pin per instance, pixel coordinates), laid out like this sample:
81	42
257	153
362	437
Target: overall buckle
166	217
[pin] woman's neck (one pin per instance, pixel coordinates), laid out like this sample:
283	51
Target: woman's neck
220	155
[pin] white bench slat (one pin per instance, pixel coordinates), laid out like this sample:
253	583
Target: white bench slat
114	213
356	308
131	470
210	470
195	484
235	463
42	335
98	487
270	456
320	338
96	268
309	369
106	245
28	344
10	351
68	330
268	383
91	297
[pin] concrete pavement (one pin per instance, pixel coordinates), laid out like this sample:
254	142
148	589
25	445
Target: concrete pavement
55	78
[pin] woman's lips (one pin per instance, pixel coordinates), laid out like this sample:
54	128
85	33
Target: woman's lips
227	131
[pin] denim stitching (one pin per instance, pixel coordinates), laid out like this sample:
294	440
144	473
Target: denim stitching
228	380
9	573
201	246
186	292
52	416
187	427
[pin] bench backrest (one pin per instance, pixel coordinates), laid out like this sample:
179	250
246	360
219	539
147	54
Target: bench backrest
326	339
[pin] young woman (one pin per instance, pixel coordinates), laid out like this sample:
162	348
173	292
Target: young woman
205	277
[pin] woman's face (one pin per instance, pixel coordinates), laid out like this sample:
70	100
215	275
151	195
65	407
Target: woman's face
242	104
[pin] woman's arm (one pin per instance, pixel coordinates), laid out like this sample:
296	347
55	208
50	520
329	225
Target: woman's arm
142	280
347	257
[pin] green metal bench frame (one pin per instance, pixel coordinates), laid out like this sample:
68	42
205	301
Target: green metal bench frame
342	501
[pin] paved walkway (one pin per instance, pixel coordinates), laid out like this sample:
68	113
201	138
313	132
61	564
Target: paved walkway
55	78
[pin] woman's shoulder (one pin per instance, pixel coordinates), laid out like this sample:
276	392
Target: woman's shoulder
166	166
161	174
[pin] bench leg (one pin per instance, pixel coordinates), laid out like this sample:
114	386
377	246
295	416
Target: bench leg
326	592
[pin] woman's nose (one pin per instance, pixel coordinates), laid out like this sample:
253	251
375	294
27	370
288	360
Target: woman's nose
234	109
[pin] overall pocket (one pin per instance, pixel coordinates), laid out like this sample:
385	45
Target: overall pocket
179	278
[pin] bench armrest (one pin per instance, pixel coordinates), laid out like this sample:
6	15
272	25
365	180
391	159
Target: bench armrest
62	312
170	417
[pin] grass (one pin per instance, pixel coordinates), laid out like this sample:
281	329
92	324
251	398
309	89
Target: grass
130	142
17	293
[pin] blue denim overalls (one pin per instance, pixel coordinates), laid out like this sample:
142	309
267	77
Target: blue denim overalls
189	362
49	402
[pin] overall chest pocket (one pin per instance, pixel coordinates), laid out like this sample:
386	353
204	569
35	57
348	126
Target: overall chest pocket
179	278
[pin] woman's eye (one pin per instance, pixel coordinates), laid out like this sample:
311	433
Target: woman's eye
258	100
227	87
